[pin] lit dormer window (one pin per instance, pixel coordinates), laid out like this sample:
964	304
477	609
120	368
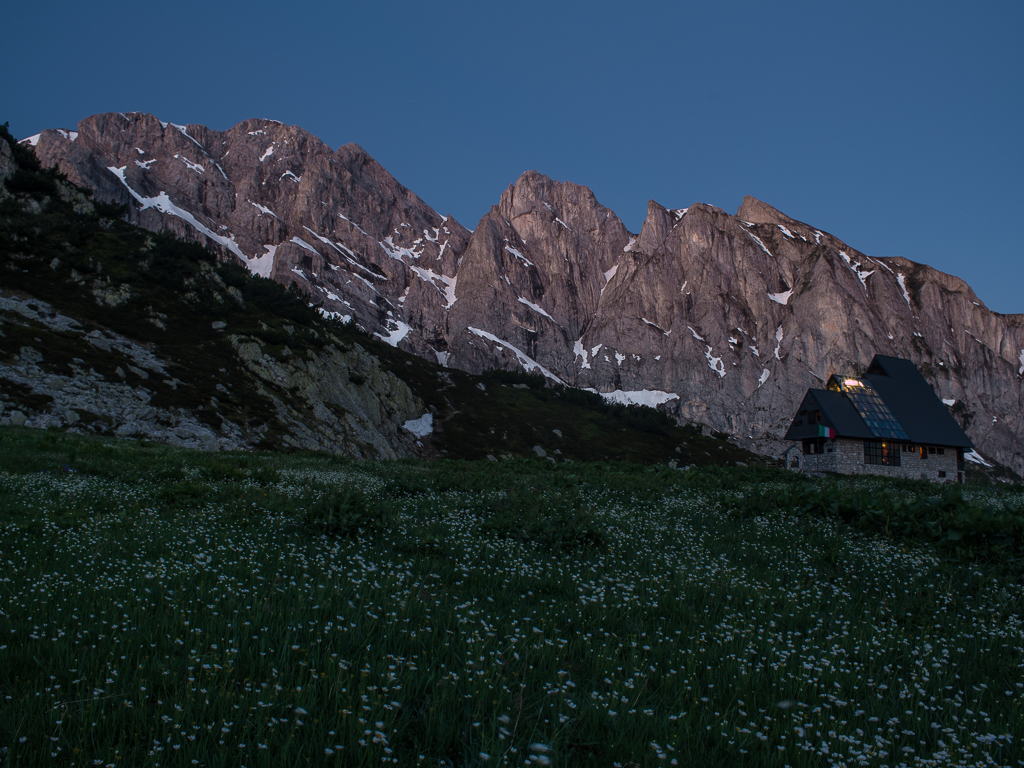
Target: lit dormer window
871	407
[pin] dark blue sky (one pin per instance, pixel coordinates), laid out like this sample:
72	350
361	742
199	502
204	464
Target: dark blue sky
895	126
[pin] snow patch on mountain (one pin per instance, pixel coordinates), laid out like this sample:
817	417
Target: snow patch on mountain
715	363
524	360
446	287
580	352
974	456
163	204
903	286
537	309
181	129
346	218
518	255
191	166
396	334
257	206
759	241
342	318
652	398
422	426
861	274
262	265
449	290
655	326
303	244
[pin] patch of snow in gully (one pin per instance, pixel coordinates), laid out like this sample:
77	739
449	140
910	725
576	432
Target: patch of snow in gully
649	397
262	208
396	334
344	319
715	363
524	360
537	309
163	204
861	274
903	286
422	426
518	255
262	265
303	244
973	455
579	351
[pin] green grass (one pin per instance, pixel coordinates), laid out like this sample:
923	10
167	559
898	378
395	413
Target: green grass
167	607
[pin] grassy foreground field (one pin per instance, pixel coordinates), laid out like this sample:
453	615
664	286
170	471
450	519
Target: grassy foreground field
161	607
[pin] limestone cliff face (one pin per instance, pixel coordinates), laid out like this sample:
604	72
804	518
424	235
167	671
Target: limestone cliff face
278	199
723	320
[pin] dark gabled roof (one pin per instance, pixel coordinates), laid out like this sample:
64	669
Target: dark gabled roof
914	403
906	393
843	417
836	412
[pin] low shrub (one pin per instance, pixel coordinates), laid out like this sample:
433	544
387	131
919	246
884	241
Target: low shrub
345	513
532	380
957	526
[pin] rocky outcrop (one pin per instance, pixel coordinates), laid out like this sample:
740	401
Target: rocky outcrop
719	319
357	408
332	399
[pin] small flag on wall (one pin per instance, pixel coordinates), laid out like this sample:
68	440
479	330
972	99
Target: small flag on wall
824	431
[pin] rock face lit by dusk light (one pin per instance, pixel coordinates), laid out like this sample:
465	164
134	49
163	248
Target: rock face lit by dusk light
719	319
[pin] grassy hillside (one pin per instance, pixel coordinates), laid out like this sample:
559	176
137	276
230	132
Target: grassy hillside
170	607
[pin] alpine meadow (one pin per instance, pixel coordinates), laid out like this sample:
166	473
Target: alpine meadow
171	607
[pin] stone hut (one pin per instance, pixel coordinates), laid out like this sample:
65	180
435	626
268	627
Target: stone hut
887	422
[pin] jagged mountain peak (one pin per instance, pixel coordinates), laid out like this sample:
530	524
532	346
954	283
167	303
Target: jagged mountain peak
561	202
721	319
758	212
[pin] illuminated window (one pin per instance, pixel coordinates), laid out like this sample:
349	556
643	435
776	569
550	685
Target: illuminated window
882	452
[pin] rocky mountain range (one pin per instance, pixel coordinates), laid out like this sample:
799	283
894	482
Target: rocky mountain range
721	320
